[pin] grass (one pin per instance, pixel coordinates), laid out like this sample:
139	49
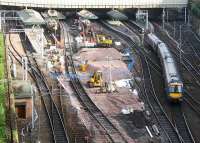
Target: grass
2	92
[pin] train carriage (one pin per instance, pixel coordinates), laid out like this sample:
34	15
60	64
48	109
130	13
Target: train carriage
173	83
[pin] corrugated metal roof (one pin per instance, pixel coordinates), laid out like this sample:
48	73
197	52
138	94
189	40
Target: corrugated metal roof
30	17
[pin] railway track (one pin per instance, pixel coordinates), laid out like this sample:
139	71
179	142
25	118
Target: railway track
192	54
188	98
52	118
113	133
192	102
180	122
184	61
152	101
142	51
161	115
193	42
184	130
182	125
44	127
56	122
178	117
110	130
14	52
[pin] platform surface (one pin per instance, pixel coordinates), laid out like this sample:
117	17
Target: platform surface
36	38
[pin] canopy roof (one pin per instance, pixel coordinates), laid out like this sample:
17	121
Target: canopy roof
30	17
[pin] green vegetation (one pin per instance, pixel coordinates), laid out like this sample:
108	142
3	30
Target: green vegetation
195	8
2	92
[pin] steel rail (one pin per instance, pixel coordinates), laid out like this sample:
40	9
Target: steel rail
110	130
56	123
162	117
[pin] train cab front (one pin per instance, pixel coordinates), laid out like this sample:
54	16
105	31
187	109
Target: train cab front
175	91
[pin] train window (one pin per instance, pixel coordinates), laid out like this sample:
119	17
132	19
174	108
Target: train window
171	89
175	89
179	89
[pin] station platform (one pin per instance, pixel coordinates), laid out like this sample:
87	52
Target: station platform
36	38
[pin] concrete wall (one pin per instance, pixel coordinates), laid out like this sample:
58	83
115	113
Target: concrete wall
97	3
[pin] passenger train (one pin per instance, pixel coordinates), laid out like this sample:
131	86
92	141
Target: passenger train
173	83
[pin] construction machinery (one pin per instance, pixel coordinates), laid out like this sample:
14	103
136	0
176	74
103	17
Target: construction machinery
96	80
104	40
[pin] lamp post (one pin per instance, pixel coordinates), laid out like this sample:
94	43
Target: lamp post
174	29
185	15
34	116
180	44
143	15
25	67
41	41
163	19
142	38
167	13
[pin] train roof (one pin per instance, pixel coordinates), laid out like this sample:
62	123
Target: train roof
169	63
154	38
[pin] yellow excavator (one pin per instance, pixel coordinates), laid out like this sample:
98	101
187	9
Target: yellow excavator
96	80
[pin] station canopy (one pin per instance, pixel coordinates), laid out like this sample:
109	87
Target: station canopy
30	17
53	14
87	14
117	15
